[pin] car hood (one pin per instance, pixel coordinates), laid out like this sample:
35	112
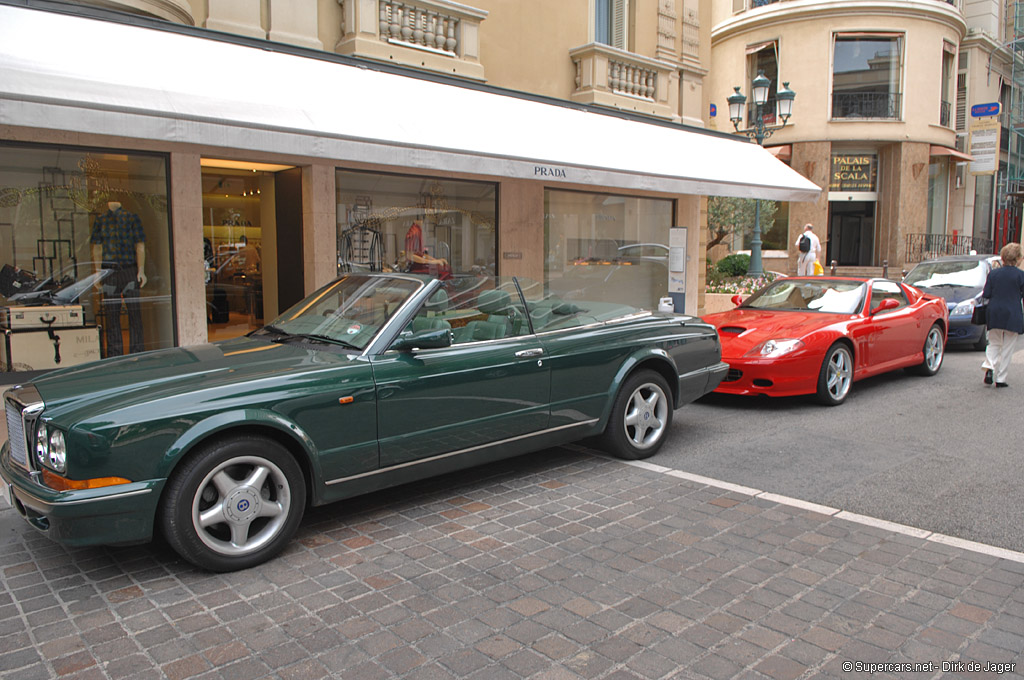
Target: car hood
198	373
741	329
952	294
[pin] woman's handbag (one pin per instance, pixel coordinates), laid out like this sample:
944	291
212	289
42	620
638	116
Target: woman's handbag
980	315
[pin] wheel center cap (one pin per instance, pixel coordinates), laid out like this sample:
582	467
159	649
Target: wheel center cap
242	505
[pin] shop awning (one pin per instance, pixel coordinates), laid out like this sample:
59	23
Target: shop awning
72	73
783	152
937	150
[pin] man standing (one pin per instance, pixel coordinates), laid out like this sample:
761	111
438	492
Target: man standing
118	243
809	248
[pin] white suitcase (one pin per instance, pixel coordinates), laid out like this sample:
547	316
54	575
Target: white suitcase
48	316
42	349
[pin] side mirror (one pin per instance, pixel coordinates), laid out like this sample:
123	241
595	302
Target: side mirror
736	300
428	339
887	303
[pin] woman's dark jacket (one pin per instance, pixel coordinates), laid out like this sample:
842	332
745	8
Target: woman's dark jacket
1004	289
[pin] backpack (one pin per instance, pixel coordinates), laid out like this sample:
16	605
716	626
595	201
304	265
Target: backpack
805	244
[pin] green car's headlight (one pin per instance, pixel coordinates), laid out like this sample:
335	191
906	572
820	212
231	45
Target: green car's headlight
42	445
51	448
58	451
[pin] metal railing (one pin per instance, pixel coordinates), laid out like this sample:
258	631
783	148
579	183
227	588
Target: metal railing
926	246
866	104
945	113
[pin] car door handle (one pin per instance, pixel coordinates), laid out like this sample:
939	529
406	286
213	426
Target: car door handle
536	352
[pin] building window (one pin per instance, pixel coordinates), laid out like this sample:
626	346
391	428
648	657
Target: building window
611	23
764	58
441	227
866	77
87	230
606	248
948	88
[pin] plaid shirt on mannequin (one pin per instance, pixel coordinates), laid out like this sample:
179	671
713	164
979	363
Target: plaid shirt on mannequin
118	231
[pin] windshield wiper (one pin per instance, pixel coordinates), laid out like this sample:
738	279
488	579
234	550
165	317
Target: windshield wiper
315	337
269	328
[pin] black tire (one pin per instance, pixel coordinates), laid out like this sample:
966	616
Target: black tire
982	342
934	351
640	418
836	375
234	503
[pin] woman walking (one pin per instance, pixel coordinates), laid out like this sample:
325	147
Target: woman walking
1004	289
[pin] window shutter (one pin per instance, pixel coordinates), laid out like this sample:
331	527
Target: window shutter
620	23
961	101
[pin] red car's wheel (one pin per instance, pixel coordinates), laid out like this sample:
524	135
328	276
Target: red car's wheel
934	350
836	375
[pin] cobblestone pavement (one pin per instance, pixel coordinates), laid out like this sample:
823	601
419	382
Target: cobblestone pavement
553	566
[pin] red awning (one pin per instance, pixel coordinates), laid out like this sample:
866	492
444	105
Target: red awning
783	153
946	151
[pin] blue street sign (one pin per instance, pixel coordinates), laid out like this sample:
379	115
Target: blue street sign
982	110
714	110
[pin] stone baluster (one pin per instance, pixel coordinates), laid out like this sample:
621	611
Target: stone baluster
651	79
384	23
417	27
579	74
431	29
407	24
614	79
451	42
442	21
396	26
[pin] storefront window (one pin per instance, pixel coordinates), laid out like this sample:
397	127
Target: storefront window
607	248
238	214
938	195
84	236
426	225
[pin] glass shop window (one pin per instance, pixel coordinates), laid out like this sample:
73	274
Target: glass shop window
607	248
441	227
85	253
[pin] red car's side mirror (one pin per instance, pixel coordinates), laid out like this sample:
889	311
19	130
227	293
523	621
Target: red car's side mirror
736	300
887	303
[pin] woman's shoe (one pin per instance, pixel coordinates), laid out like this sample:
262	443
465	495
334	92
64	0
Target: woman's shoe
1001	385
988	376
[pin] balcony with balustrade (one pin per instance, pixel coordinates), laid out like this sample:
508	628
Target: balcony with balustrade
616	78
436	35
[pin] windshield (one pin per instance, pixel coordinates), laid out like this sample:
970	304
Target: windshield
970	274
348	312
831	296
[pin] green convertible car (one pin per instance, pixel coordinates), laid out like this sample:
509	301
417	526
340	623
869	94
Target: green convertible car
374	380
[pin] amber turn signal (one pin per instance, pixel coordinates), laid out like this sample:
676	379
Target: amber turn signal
62	484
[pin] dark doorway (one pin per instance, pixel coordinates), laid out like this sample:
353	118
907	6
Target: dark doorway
851	236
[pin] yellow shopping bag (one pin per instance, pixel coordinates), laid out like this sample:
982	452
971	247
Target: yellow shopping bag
818	269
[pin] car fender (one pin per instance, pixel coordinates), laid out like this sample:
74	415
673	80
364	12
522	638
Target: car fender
657	359
246	421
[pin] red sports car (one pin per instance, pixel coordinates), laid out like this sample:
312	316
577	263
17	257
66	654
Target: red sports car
816	335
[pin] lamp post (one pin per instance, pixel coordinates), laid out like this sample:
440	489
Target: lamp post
758	132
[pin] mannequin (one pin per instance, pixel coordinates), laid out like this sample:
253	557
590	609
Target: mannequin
118	244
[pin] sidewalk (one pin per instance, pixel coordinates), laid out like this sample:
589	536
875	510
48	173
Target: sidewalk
554	566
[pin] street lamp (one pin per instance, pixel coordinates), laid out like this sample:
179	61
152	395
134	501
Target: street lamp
758	132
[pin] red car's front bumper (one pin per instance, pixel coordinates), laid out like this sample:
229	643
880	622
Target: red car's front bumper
781	377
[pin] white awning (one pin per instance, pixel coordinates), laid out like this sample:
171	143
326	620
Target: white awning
70	73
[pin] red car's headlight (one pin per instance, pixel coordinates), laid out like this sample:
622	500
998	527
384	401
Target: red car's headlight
775	348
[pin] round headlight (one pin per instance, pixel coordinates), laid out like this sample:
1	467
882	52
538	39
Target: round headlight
42	445
58	451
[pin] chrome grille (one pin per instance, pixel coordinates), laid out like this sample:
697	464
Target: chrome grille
23	406
16	435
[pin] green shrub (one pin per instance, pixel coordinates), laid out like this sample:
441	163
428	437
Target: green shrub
733	265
